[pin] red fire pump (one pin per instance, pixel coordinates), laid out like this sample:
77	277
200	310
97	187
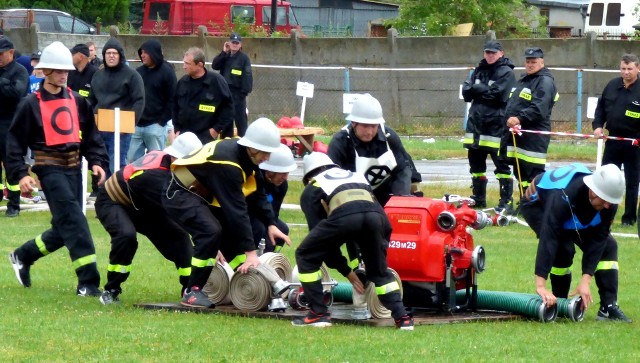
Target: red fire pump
433	252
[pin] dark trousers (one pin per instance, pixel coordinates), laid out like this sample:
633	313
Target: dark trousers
478	162
69	227
239	115
624	153
14	195
122	223
260	232
195	216
371	232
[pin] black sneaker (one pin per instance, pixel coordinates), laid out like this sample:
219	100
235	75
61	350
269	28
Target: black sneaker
196	299
313	319
11	213
612	312
88	290
109	297
21	270
405	323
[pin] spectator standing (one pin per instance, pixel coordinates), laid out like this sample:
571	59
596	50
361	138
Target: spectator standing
159	89
37	76
93	55
573	206
529	108
487	88
618	111
117	85
58	161
203	103
235	67
80	78
14	84
368	147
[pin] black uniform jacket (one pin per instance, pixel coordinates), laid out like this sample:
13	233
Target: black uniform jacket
225	183
147	187
81	81
14	84
236	70
557	209
26	131
618	109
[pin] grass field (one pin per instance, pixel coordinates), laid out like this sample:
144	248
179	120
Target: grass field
47	322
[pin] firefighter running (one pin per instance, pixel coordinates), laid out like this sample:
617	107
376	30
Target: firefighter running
59	126
345	209
571	205
130	202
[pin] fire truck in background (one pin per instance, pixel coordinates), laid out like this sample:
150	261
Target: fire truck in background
182	17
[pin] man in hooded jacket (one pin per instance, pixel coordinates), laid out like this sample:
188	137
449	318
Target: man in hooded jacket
117	85
159	87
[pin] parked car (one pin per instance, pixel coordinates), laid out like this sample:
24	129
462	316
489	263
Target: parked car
50	21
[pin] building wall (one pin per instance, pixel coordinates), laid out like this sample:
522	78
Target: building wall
407	95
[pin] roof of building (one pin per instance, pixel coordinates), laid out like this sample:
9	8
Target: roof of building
560	3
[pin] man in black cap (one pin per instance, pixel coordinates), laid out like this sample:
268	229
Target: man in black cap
529	108
80	78
235	67
488	89
14	83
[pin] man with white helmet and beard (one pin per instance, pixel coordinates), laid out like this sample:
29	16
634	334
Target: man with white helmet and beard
572	205
59	126
207	197
370	148
339	206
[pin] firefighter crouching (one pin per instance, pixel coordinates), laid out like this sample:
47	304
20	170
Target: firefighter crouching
206	196
130	202
571	205
59	126
345	209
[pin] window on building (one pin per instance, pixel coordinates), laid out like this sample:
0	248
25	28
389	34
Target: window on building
595	16
613	14
545	12
243	14
159	11
281	15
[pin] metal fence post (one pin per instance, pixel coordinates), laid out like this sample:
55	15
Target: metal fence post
579	106
347	86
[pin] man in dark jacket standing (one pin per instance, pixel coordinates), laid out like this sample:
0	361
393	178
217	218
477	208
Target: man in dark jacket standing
488	89
117	85
159	88
618	111
80	78
203	103
529	107
235	67
14	84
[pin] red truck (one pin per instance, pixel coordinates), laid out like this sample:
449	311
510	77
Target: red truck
181	17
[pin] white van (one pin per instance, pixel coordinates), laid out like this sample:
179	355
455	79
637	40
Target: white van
612	18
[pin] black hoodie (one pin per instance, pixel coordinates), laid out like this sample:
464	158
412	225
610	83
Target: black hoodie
118	86
159	85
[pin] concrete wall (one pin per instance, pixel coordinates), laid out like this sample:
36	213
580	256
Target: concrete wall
407	96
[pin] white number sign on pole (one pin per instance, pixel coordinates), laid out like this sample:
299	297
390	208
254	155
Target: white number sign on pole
348	99
304	90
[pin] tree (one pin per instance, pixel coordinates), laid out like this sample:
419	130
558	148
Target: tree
439	17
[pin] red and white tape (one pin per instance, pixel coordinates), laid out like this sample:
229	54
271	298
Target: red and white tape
517	130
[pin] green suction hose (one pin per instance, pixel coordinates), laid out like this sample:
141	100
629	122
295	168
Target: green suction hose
525	304
342	292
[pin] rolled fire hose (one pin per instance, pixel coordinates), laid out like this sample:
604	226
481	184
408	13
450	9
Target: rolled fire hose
323	270
217	286
253	291
529	305
343	293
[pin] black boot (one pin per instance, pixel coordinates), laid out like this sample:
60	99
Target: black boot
505	205
479	190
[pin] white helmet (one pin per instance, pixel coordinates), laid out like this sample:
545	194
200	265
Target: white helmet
366	110
280	161
262	134
56	56
314	161
183	145
607	182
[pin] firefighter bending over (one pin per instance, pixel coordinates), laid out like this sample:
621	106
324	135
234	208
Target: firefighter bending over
341	207
571	205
